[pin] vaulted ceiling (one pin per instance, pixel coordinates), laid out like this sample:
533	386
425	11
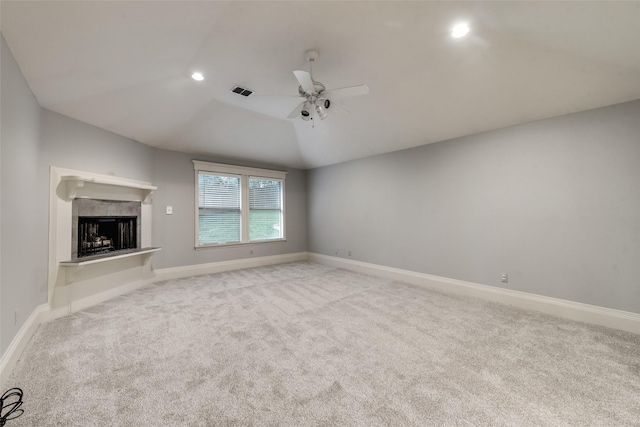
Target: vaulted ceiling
126	67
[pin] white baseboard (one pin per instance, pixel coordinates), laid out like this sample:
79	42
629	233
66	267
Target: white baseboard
220	266
593	314
43	313
13	352
90	301
616	319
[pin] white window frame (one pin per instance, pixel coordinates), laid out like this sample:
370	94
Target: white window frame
244	173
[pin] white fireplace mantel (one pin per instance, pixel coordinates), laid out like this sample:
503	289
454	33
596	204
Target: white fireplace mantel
104	188
71	281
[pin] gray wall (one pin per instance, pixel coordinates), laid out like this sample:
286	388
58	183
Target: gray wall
34	139
175	178
22	263
69	143
555	204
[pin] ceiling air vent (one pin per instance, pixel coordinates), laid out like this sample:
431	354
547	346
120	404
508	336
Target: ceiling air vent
241	91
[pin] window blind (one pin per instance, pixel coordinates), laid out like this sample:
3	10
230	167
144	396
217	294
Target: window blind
219	213
265	209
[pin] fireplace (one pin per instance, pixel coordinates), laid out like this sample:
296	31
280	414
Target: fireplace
104	227
104	234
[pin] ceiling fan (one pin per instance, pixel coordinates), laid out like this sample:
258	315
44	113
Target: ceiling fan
317	99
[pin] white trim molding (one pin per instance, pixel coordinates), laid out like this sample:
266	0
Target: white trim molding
20	341
237	170
616	319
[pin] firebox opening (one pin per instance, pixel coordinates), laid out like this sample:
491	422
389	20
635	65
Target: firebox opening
100	235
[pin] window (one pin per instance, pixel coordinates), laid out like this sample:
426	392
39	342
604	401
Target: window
219	211
265	209
237	205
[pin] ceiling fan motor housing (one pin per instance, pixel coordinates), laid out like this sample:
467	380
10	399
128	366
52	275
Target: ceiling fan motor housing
318	89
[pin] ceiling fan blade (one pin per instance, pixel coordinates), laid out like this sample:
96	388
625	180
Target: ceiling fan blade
344	92
275	95
305	81
268	95
296	111
342	108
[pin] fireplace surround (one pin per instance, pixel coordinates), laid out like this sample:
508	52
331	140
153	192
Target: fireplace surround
77	198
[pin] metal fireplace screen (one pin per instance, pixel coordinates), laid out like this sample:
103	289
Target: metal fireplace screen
99	235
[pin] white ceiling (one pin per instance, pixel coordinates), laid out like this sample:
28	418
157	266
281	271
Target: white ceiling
125	66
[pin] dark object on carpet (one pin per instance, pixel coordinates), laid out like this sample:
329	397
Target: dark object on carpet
10	401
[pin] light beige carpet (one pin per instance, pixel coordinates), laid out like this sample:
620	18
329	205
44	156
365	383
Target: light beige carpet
303	344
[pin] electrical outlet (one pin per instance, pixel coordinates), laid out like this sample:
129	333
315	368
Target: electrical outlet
169	210
349	253
336	252
250	251
504	278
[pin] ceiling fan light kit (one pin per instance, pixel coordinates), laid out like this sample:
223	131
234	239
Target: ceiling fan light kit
306	112
320	111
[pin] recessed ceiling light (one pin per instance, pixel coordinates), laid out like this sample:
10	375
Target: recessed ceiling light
459	30
197	77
